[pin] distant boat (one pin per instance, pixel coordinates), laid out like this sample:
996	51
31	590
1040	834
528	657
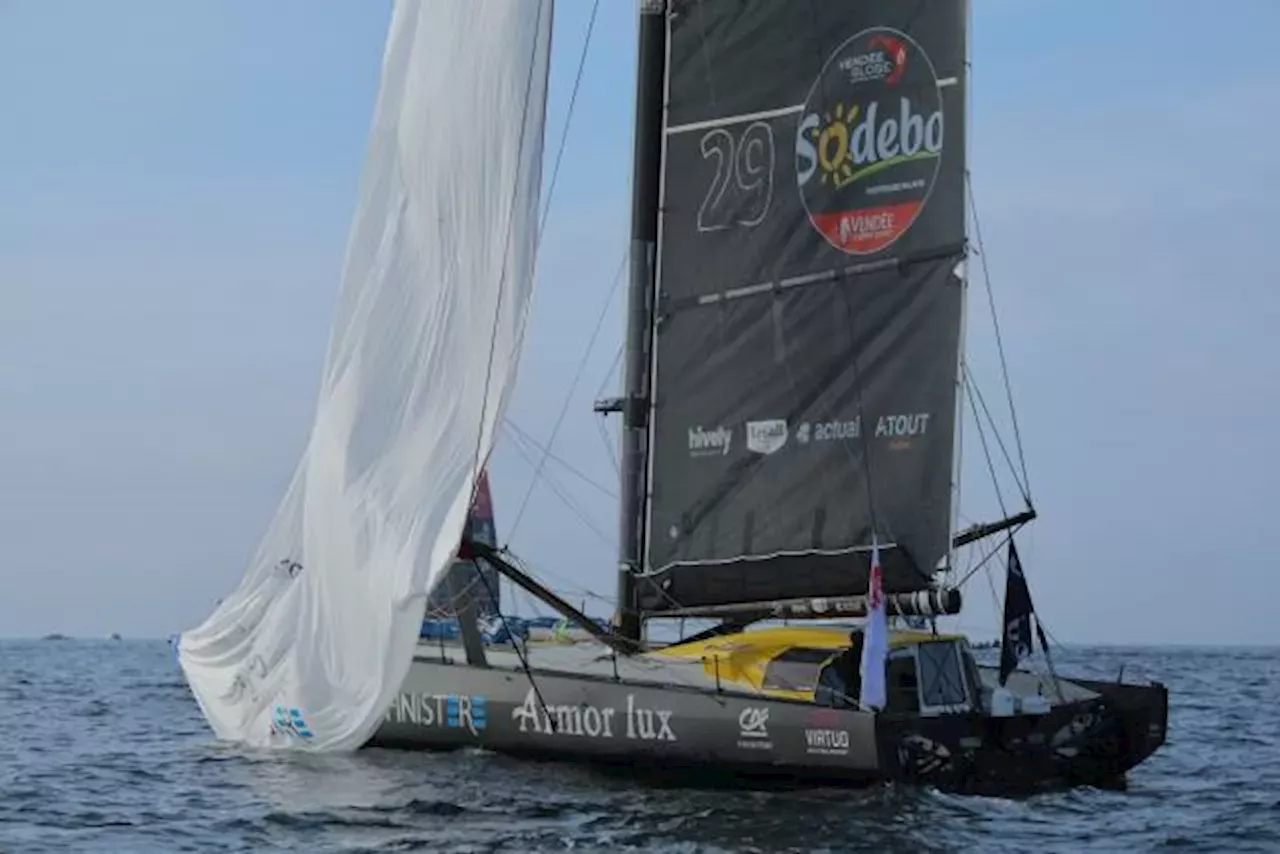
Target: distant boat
115	636
56	636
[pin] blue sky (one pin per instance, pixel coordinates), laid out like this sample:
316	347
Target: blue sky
176	184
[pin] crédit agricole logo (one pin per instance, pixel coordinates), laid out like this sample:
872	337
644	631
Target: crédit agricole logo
869	141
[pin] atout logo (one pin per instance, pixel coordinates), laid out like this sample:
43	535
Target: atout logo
870	141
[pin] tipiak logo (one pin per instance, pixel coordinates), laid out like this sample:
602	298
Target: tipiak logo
704	443
766	437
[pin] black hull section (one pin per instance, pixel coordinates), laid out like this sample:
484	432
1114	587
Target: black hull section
696	737
1093	742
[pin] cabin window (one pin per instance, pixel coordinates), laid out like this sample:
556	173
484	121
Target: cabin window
796	669
942	682
902	686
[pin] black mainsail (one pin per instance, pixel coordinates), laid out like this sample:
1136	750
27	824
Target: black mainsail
807	315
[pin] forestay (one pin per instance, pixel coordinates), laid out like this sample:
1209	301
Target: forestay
311	648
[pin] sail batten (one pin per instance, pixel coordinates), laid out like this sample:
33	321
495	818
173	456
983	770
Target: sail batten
808	300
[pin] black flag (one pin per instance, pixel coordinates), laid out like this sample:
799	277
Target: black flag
1015	645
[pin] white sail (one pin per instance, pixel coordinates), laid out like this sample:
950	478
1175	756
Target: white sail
311	648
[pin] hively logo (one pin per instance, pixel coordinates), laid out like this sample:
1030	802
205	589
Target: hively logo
705	443
753	728
827	742
766	437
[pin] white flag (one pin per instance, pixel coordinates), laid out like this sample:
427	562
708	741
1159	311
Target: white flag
875	640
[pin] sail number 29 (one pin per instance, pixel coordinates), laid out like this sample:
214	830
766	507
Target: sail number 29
742	188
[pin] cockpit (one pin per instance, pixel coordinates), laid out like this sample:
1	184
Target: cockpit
923	675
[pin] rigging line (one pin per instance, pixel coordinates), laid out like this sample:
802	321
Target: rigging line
957	462
573	386
1059	644
477	462
995	596
608	444
862	431
995	322
617	358
563	493
567	501
995	599
1022	487
672	673
989	555
986	451
570	585
524	434
560	493
520	652
568	119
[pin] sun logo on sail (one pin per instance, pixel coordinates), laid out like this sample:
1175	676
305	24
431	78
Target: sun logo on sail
834	153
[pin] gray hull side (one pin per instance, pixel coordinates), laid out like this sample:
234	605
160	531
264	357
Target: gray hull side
587	717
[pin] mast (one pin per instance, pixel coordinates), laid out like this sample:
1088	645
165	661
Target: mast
647	161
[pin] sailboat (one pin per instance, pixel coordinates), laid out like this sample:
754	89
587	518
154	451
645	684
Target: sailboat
790	411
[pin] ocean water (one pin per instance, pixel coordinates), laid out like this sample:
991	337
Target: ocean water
103	749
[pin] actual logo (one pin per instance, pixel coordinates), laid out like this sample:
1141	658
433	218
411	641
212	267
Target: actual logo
828	431
870	141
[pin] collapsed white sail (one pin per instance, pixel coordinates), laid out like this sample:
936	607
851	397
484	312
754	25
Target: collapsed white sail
313	645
